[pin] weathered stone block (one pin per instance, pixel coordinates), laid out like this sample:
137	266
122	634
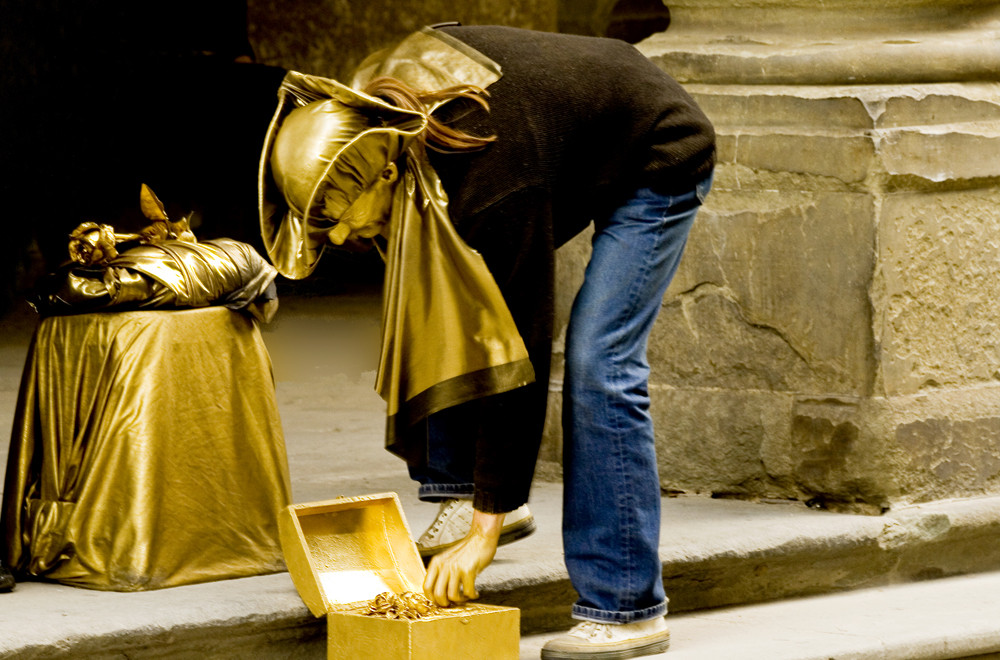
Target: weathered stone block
859	454
771	294
775	42
832	333
936	290
716	441
847	159
958	450
835	455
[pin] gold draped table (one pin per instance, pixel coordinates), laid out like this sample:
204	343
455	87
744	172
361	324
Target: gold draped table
146	452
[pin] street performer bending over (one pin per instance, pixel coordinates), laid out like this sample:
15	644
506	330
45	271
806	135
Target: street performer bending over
469	154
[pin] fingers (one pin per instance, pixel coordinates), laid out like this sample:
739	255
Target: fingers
430	578
468	585
431	583
451	576
449	580
436	584
456	578
340	233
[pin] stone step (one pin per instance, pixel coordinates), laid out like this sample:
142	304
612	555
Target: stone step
715	553
718	553
956	617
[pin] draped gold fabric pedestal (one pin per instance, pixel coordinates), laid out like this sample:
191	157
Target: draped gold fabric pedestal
146	452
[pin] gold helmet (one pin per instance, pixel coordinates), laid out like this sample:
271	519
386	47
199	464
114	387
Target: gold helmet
327	143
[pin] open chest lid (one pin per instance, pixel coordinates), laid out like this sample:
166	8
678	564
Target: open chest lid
342	553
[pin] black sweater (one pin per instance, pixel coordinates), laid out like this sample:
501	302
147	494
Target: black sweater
587	120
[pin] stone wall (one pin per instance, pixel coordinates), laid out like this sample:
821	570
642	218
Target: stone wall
330	37
832	334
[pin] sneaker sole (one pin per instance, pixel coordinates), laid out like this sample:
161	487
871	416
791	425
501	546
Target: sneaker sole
650	648
509	534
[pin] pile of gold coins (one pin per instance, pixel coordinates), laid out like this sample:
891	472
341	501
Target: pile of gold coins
408	605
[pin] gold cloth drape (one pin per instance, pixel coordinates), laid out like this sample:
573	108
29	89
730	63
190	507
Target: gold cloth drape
447	334
146	452
167	275
429	59
446	339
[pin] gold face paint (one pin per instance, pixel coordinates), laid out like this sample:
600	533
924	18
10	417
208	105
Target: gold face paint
368	215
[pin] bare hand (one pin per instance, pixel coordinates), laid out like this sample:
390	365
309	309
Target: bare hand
451	576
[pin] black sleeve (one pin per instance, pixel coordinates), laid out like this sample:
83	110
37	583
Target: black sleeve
515	238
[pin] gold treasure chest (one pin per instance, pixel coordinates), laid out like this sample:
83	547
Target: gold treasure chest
353	560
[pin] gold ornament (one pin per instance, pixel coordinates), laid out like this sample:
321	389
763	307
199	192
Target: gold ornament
93	244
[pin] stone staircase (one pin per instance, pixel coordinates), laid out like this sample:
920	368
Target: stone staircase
747	580
946	618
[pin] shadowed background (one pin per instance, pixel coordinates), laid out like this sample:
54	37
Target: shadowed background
98	96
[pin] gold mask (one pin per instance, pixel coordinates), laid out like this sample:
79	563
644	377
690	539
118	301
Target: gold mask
326	146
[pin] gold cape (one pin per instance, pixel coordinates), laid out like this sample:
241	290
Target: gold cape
447	334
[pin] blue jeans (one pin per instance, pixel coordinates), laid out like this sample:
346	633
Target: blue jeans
483	449
611	517
611	506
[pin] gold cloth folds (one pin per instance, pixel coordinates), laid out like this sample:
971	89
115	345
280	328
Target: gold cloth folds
146	452
429	60
447	334
446	339
167	275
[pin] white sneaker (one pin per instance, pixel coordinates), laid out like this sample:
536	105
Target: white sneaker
609	641
454	520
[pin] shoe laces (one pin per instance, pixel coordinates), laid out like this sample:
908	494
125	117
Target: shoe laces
442	516
591	630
